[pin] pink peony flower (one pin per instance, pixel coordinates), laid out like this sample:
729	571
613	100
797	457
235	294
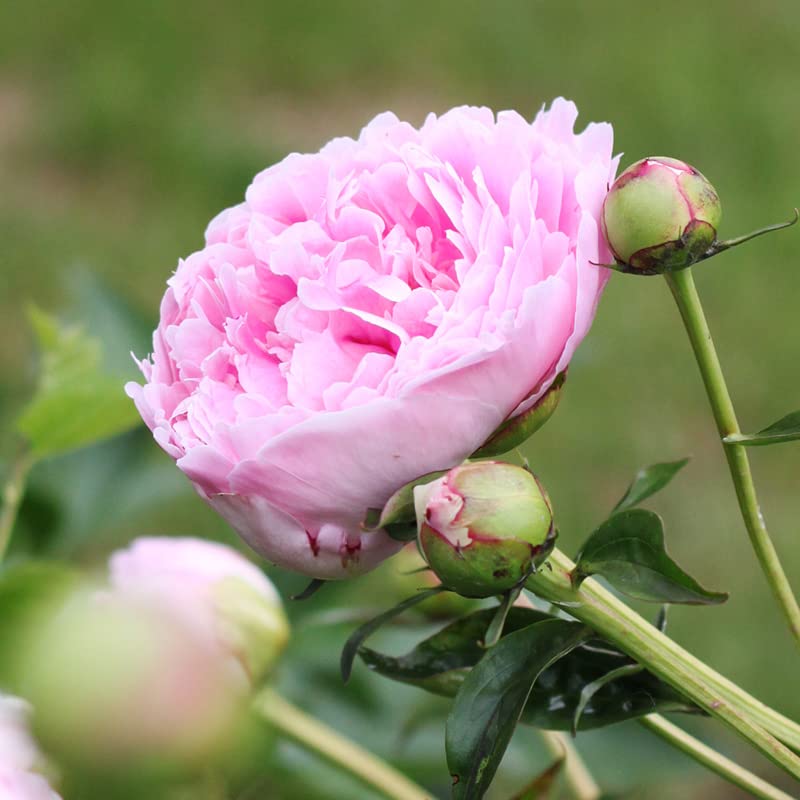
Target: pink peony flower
373	312
19	755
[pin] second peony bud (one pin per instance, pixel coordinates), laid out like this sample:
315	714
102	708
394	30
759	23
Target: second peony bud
154	670
484	526
661	214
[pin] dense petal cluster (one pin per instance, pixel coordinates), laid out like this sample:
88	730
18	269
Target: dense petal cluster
373	312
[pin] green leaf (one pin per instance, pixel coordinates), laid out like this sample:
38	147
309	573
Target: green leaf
648	481
591	689
76	403
628	551
490	701
440	664
314	585
351	646
541	787
786	429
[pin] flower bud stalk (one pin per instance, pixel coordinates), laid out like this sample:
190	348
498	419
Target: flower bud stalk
632	634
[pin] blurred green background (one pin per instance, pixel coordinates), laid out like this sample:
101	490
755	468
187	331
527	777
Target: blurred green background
124	127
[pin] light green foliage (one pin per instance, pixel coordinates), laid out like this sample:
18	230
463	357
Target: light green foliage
76	402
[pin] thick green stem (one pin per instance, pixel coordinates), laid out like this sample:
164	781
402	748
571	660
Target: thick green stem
13	493
716	762
330	745
685	293
581	784
623	627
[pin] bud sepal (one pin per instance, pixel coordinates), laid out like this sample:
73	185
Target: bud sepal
517	430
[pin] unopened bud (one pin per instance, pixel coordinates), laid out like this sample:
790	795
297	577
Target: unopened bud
212	589
120	684
484	527
660	215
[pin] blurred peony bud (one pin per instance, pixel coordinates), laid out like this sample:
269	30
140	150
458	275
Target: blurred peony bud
156	669
660	215
119	683
19	755
484	526
212	589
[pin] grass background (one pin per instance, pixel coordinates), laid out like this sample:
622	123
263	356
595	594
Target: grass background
125	127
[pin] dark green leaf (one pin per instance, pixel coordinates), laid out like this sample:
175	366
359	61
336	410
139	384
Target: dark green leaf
541	787
628	551
76	401
402	531
648	481
360	635
786	429
440	664
313	587
491	699
399	507
591	689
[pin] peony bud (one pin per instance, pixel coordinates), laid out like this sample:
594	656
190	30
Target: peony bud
212	589
157	668
660	215
407	573
484	526
119	684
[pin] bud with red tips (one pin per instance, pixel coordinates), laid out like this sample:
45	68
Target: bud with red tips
484	527
661	214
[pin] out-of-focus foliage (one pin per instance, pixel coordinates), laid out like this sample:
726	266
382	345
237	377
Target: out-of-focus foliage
125	127
76	402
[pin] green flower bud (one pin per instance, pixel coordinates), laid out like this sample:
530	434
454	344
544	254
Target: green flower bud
484	527
660	215
407	573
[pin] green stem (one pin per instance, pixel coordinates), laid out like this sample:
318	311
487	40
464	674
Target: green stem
330	745
716	762
13	492
685	293
582	785
623	627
